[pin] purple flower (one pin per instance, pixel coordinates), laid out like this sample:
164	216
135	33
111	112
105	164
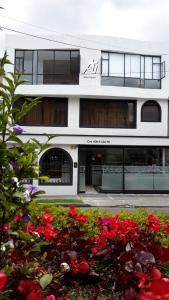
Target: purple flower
17	129
26	217
31	188
15	165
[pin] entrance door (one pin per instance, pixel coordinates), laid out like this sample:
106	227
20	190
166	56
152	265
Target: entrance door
101	168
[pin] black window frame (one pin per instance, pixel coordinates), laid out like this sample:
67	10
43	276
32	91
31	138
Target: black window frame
152	103
34	75
115	100
47	183
23	59
139	81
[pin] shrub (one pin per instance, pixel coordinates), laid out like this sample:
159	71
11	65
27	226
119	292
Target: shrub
66	258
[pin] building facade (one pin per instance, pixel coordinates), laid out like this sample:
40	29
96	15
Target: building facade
105	100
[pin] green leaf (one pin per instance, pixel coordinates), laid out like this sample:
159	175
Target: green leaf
10	84
45	280
24	236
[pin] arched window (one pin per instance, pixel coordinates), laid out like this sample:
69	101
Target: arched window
57	164
151	112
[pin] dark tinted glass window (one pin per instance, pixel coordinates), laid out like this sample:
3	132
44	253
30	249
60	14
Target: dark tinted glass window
48	66
58	67
142	156
28	62
57	165
48	112
24	64
105	113
151	112
19	64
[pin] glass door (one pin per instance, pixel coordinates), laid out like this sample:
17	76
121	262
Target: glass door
101	168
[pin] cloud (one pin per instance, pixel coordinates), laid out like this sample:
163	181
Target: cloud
131	4
139	19
157	29
69	15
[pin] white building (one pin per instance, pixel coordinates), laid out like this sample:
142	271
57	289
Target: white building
106	100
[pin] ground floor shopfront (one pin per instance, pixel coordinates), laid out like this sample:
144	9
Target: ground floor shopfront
73	169
124	169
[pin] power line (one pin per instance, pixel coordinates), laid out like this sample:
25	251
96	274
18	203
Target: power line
48	39
64	43
50	30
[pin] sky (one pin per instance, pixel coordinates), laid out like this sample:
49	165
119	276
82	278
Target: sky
137	19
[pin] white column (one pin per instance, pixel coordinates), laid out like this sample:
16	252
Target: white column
73	112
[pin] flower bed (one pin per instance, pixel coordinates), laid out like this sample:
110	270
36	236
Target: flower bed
75	256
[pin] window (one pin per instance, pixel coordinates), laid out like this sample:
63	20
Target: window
57	164
48	112
132	70
142	156
48	66
151	112
103	113
24	64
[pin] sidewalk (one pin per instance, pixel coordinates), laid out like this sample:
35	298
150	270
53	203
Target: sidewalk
126	200
118	200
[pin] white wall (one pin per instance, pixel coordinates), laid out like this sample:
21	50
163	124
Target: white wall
89	85
142	128
69	190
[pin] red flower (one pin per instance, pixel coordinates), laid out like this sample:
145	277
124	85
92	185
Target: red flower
66	298
109	234
6	227
81	219
17	217
47	217
72	213
94	250
83	267
28	286
34	296
156	274
143	280
3	280
51	297
166	227
159	289
153	223
49	232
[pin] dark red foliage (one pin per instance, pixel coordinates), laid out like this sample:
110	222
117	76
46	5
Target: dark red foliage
122	257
